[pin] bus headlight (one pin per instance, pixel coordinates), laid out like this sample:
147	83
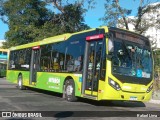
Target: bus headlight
114	84
150	88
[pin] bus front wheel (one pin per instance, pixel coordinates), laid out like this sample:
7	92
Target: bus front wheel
69	91
20	83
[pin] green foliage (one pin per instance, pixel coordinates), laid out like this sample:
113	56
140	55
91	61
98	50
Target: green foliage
71	19
25	20
156	55
30	20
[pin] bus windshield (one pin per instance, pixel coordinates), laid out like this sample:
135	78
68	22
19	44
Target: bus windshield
131	59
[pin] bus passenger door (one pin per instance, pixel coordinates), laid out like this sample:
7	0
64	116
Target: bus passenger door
93	61
35	64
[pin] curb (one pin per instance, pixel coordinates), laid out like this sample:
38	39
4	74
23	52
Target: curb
154	101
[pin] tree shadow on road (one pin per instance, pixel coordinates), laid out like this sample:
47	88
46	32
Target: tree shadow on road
63	114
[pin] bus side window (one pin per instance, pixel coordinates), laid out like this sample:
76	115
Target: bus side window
70	63
56	66
61	63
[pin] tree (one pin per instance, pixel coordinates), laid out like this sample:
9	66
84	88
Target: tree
30	20
156	55
113	11
59	4
25	20
70	17
117	15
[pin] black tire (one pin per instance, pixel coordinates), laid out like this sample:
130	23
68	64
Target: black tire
69	91
20	83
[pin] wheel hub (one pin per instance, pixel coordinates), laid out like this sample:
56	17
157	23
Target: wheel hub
19	82
69	90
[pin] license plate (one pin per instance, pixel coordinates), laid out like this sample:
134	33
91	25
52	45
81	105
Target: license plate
133	98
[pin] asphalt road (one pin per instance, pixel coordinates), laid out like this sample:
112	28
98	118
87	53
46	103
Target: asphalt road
32	100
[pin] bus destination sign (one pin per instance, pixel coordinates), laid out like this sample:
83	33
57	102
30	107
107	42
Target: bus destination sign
130	38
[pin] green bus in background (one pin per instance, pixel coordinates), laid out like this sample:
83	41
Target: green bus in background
3	67
3	62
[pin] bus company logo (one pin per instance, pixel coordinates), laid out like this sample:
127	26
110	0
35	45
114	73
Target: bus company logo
54	80
6	114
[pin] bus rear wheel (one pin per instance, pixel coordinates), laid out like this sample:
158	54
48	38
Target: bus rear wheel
69	91
20	83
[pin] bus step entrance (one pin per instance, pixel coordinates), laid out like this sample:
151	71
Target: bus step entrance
90	97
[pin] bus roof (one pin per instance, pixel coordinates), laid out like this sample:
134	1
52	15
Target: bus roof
58	38
4	50
53	39
64	37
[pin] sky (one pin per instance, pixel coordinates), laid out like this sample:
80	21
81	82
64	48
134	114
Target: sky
92	16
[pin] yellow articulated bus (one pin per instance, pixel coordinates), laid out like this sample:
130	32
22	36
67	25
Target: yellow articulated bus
100	64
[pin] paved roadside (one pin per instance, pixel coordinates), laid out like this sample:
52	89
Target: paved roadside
155	97
154	101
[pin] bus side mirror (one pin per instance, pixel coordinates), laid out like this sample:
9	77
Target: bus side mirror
110	47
